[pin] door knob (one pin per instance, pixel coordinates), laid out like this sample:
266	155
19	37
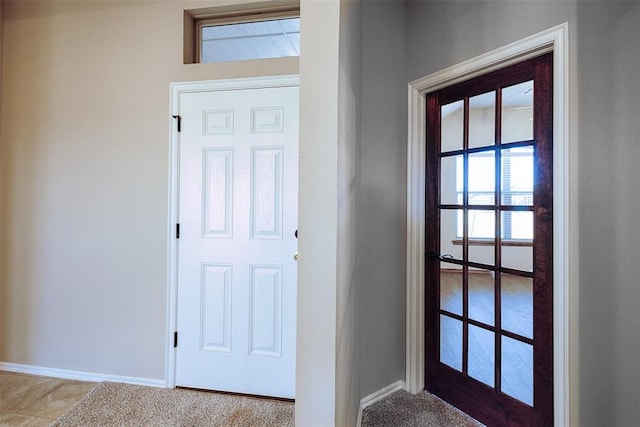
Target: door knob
434	256
295	256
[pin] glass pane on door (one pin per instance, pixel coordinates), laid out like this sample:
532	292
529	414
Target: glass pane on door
481	355
482	120
481	232
516	176
517	370
517	112
517	225
451	288
482	178
517	240
517	257
481	296
451	342
451	182
451	126
517	304
451	233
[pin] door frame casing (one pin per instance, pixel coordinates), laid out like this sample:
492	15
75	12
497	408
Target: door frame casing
565	213
173	216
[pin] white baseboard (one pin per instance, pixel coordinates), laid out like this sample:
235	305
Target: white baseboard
78	375
377	396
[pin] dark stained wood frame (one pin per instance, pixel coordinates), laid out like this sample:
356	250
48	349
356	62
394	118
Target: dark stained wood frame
483	402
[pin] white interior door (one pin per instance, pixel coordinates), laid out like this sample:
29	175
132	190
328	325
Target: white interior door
238	214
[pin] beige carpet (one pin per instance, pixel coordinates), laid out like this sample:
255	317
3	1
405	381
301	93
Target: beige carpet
116	404
403	409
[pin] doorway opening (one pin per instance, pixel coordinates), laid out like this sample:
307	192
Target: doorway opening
489	244
232	288
565	234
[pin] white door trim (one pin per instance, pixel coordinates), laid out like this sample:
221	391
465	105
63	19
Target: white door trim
177	89
565	242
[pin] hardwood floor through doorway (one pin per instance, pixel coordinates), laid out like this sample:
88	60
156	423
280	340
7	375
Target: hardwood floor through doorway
517	311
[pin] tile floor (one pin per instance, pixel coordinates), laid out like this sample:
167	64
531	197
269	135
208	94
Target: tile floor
34	401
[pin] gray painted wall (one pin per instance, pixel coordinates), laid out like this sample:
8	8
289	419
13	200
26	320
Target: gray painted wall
605	100
382	201
444	33
609	200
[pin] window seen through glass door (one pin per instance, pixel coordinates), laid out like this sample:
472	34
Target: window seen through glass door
516	168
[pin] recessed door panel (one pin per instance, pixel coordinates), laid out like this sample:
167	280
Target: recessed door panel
266	192
217	197
266	310
215	309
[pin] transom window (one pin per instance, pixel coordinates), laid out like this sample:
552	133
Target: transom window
261	36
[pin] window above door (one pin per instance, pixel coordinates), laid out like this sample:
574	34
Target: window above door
238	35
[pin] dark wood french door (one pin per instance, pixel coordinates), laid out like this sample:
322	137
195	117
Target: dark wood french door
489	226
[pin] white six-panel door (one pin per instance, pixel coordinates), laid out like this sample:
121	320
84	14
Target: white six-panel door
238	186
